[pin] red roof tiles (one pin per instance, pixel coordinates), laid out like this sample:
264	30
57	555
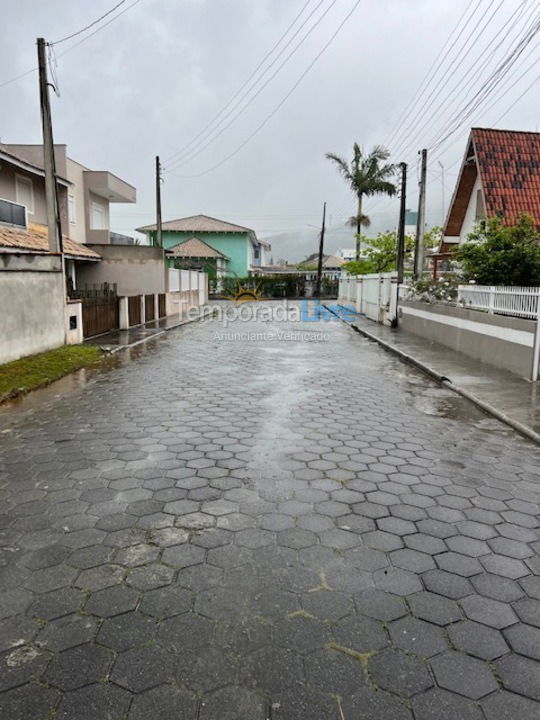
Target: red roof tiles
509	165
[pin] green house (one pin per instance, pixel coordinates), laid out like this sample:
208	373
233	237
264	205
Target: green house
237	249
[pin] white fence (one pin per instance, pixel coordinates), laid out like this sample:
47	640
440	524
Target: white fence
501	300
188	281
373	295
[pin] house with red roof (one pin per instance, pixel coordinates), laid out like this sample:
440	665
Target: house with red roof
499	177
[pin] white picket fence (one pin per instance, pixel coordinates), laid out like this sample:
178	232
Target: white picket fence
373	295
501	300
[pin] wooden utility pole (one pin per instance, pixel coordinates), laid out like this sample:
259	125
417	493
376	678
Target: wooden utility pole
421	221
321	248
159	234
51	198
401	226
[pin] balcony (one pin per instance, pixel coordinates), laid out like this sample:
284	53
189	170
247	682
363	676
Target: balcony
106	185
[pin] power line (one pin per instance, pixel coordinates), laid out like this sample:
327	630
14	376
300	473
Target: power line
191	155
487	88
402	140
95	22
265	58
279	105
430	73
474	71
71	47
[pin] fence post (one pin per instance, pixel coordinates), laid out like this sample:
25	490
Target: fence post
124	313
536	347
491	304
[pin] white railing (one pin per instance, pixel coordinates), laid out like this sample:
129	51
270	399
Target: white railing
501	300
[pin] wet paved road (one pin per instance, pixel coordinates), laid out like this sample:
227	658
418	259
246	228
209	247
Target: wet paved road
275	529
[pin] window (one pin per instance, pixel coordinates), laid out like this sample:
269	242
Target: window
72	214
24	191
98	217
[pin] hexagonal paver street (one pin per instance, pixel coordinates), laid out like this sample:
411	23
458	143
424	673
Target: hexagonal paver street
293	527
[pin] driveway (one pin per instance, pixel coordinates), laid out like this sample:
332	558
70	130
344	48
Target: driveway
234	527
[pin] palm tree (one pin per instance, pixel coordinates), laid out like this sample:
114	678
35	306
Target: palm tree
367	175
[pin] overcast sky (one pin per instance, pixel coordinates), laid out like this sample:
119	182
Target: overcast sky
150	81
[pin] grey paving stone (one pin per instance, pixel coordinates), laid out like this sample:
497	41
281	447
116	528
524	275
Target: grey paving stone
520	675
528	611
508	706
403	674
101	700
478	640
126	631
112	601
463	675
434	608
448	584
67	631
29	701
489	612
79	666
524	640
417	636
375	705
444	705
167	701
142	668
333	672
380	605
232	703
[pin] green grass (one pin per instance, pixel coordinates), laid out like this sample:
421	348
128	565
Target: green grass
21	376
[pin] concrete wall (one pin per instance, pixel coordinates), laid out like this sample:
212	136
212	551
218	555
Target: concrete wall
135	269
500	340
33	304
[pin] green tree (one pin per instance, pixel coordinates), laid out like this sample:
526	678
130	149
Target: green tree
496	254
367	175
380	254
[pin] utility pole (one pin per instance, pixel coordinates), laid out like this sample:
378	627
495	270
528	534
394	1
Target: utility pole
442	193
159	236
421	221
321	248
401	226
51	198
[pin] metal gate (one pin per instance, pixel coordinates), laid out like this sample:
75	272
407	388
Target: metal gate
149	311
134	310
99	315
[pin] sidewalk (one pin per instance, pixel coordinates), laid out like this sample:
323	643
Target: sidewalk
117	340
516	399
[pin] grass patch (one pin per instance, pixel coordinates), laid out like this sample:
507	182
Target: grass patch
21	376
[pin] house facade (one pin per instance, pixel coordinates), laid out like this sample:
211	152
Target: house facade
238	247
499	177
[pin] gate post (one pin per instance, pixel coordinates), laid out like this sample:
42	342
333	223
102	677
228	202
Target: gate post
123	313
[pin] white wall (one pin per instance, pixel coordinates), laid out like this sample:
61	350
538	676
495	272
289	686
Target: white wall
77	230
470	215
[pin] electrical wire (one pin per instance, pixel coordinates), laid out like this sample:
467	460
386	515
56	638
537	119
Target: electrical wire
84	29
259	66
71	47
280	104
424	85
191	155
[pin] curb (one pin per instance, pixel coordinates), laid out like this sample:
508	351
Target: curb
161	332
446	382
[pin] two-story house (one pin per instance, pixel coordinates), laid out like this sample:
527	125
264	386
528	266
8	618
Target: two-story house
236	249
94	254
